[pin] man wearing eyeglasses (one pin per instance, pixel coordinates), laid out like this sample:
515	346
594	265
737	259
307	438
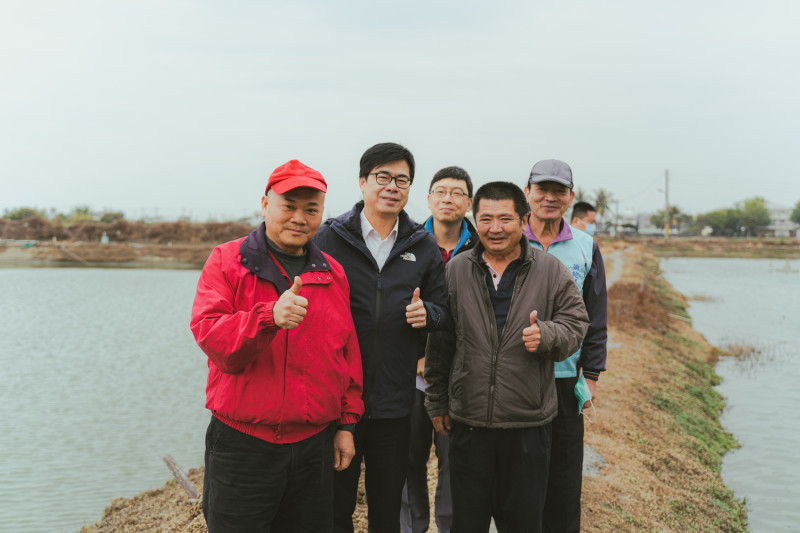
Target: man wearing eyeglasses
449	199
397	294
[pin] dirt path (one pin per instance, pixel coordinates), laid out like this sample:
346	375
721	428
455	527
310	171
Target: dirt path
613	263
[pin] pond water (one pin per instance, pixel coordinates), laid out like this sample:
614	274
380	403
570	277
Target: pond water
99	379
753	303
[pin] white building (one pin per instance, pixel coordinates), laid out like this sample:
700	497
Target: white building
780	223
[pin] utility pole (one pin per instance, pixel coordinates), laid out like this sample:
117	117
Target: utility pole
616	219
666	203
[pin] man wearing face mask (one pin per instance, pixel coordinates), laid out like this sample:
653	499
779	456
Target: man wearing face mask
584	218
549	193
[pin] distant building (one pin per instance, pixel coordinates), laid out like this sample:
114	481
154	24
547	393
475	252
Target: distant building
780	223
646	227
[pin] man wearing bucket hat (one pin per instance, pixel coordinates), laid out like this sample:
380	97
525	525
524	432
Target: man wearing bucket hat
549	193
272	313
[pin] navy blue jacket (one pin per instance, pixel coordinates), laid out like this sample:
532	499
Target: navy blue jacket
378	299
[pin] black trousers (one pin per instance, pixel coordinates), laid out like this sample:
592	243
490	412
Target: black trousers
562	509
500	473
383	444
251	485
415	511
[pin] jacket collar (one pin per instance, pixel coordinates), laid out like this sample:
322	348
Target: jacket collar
253	256
564	235
468	235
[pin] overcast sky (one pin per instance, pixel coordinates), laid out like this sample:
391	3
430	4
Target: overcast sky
188	106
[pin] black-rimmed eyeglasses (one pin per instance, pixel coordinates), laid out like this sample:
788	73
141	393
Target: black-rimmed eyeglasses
384	178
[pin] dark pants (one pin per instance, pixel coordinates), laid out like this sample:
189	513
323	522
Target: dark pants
383	444
500	473
415	511
254	485
562	510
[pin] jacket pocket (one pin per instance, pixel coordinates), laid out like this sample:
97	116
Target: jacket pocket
519	388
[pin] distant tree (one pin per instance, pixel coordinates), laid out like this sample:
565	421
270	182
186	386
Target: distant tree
22	213
111	216
755	215
81	213
796	213
724	222
580	196
677	218
602	201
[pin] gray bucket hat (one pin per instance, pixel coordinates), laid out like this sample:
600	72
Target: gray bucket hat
551	170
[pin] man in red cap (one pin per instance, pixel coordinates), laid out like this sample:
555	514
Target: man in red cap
272	313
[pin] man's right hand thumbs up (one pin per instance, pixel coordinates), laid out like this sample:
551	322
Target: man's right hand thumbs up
290	308
532	335
297	285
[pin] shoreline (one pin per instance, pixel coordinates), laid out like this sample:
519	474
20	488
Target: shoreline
77	254
653	453
71	254
721	247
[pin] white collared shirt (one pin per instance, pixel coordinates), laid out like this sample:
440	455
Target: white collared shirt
379	248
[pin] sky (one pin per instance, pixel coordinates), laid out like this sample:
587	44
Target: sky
177	108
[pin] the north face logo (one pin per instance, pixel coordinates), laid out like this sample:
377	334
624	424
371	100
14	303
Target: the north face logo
408	256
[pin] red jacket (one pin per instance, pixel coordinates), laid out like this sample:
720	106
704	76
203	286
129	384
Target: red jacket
279	385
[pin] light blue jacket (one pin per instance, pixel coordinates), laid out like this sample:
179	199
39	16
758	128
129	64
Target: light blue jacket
574	249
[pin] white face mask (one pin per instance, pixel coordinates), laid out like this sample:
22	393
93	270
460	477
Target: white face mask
591	229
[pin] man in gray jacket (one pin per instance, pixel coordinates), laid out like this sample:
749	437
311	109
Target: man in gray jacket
491	387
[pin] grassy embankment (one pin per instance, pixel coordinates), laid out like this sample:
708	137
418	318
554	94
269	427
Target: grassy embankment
770	248
657	428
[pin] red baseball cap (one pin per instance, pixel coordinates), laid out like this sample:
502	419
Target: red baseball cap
295	174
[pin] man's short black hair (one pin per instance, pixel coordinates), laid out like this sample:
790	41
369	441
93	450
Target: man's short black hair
501	190
383	153
457	173
581	209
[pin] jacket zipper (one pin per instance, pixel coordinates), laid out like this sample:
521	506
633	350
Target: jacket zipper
498	342
495	347
375	343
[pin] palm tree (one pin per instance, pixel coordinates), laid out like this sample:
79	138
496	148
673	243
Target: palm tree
602	201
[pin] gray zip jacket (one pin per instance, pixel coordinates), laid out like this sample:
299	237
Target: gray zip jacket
481	382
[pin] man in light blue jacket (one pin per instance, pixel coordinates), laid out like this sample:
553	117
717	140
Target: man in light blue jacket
549	193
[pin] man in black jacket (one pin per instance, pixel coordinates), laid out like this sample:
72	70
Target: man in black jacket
397	294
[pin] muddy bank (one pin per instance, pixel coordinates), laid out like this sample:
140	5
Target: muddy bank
116	255
653	452
50	253
771	248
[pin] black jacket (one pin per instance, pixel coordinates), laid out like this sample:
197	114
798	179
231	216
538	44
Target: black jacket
378	299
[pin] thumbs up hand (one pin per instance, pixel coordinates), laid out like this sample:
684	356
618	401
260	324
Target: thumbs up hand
416	315
532	335
290	308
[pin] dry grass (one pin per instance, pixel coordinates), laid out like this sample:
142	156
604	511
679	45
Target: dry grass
658	425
